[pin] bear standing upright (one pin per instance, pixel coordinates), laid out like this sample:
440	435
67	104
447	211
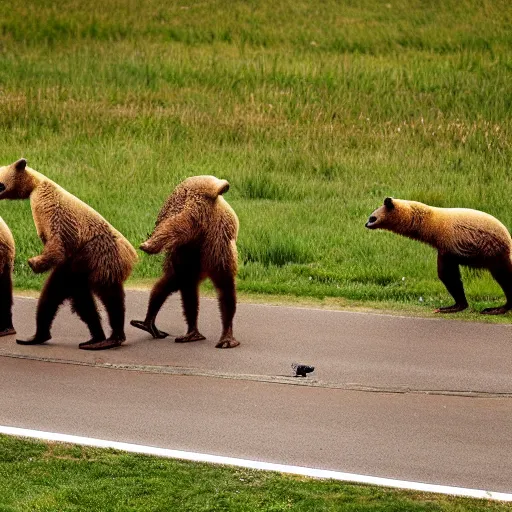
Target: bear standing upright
461	236
6	267
198	229
85	253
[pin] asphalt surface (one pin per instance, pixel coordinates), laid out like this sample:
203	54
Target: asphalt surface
414	399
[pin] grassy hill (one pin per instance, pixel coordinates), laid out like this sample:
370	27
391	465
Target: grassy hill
314	111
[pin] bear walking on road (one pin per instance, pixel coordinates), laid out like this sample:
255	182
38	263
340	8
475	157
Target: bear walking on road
197	229
85	253
6	267
461	236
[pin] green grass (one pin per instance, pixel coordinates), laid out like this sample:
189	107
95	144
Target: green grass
314	111
40	476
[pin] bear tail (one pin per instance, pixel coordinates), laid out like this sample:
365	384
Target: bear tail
127	256
216	187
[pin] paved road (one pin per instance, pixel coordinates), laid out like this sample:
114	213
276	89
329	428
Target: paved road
436	405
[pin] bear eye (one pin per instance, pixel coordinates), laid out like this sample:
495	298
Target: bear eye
2	187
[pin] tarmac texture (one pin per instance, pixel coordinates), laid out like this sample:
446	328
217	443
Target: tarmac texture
417	399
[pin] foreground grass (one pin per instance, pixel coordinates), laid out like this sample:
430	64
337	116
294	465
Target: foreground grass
315	111
48	477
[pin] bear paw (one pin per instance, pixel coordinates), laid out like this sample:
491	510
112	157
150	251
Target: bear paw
148	248
227	343
36	265
151	328
495	311
194	335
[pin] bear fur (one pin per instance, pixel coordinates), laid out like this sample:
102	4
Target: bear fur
85	253
461	236
7	253
197	229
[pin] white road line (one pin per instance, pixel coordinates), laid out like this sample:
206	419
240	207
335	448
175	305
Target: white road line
253	464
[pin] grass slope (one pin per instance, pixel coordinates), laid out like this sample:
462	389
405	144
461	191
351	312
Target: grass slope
315	111
38	476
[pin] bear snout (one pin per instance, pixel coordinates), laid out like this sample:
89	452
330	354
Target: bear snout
370	222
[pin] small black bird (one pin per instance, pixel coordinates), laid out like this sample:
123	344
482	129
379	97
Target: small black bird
301	370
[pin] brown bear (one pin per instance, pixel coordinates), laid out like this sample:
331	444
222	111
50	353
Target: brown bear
6	268
197	229
85	253
461	236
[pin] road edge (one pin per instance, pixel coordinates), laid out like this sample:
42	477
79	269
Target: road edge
253	464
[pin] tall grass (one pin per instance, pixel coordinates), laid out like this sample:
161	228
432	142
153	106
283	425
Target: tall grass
314	111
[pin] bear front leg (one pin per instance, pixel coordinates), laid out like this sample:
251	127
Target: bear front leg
38	264
157	242
53	255
170	234
449	273
152	246
56	290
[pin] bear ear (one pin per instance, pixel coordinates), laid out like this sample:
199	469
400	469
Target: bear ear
20	164
388	203
223	187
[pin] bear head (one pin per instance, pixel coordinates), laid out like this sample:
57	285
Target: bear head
392	213
15	181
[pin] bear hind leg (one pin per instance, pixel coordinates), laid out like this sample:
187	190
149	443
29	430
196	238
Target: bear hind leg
55	291
226	291
190	301
82	303
449	273
112	296
6	327
166	285
503	276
